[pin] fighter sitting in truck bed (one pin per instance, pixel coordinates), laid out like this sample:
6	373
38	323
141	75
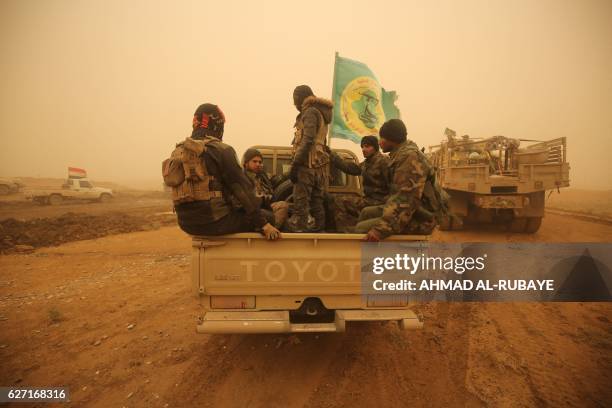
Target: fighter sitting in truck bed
413	204
204	175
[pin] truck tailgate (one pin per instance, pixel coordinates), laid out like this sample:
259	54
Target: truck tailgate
304	264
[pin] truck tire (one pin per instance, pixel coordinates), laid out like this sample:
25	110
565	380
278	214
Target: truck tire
55	199
4	189
451	223
445	224
533	224
518	224
105	198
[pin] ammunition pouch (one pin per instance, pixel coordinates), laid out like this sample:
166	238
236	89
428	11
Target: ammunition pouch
317	156
186	173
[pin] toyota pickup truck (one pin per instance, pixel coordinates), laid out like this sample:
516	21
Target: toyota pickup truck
72	189
301	283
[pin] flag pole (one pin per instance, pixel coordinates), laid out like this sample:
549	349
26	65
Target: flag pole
331	125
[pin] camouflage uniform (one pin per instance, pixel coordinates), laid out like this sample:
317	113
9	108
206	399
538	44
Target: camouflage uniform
312	159
262	186
401	213
217	216
264	191
375	175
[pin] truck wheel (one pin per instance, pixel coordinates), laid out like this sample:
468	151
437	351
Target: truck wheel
445	224
533	224
451	222
456	223
4	189
518	224
105	198
55	199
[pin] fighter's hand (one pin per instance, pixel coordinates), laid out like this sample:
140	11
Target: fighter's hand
293	173
372	236
270	232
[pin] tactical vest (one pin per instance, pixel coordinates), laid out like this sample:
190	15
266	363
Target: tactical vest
185	172
434	201
317	156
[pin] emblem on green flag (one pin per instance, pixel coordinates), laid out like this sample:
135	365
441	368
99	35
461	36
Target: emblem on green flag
361	105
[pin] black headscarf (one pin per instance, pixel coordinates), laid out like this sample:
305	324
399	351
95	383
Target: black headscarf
208	119
393	130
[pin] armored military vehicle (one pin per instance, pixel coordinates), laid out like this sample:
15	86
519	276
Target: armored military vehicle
499	179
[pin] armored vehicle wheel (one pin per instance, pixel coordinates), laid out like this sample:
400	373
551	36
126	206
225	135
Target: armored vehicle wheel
452	222
4	189
55	199
533	224
518	225
445	224
456	223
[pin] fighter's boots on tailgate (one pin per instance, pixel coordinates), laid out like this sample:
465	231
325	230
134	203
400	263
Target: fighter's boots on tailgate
294	225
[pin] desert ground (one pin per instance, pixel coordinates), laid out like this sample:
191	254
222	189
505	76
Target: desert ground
103	305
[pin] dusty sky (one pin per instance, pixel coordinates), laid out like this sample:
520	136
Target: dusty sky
111	85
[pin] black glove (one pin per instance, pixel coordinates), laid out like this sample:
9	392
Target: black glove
293	173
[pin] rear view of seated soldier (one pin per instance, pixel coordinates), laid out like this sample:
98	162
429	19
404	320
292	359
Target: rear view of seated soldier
205	177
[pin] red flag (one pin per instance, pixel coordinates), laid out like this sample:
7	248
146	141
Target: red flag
76	172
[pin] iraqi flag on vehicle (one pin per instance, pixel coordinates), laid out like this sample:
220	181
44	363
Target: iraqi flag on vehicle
75	172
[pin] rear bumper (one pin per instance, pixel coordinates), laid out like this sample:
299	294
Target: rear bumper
278	321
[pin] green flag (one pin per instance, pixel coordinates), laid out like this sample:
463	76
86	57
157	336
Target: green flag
361	105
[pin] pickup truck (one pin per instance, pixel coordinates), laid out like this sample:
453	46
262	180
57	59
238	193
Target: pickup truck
72	189
301	283
10	185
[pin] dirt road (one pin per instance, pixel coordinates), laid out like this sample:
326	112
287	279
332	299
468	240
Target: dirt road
113	319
